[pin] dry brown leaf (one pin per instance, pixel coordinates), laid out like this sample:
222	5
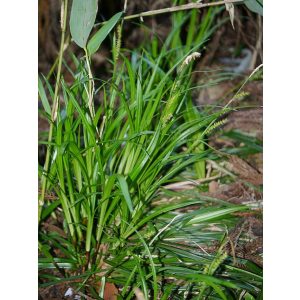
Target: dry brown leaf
213	187
110	292
230	9
244	170
139	294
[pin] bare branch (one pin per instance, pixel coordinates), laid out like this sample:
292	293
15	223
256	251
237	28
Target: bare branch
179	8
176	8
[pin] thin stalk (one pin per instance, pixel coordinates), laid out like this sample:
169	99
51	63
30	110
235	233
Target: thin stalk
91	85
239	90
66	43
178	8
175	8
52	68
64	10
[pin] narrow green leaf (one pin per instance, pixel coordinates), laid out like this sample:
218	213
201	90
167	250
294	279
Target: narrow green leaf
152	266
46	263
43	97
49	209
206	216
82	19
218	291
249	297
158	212
49	87
192	275
60	280
106	194
168	291
125	191
143	279
97	39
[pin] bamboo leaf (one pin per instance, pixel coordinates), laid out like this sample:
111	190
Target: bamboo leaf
255	6
97	39
82	19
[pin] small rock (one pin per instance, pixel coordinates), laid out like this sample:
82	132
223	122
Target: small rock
69	292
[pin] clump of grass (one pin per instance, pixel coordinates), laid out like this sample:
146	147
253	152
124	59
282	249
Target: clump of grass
108	163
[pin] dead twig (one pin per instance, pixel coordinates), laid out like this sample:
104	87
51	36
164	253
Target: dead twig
174	9
178	8
221	169
188	184
258	46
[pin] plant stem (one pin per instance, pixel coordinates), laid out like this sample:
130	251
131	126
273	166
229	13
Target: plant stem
91	85
64	9
66	43
247	79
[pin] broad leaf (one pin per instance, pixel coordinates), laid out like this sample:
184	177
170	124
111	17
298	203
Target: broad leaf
82	19
97	39
255	6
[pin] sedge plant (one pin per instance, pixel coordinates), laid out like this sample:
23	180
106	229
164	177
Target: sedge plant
108	162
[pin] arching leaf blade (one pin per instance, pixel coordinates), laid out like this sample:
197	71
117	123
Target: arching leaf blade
125	191
97	39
